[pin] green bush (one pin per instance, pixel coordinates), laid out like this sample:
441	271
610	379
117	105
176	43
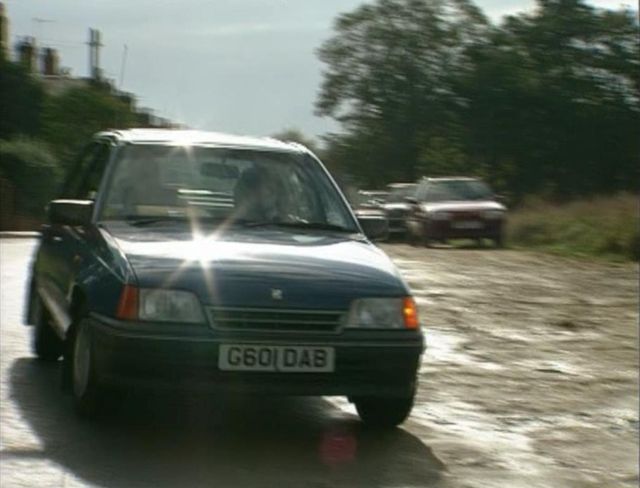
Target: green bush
602	226
31	168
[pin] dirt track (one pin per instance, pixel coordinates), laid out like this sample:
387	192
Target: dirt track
532	367
530	380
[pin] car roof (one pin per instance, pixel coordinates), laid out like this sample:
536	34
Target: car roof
451	178
394	186
197	137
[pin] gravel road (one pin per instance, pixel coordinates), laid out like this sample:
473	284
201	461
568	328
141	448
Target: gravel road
530	380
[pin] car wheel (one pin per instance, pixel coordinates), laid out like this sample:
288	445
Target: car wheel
87	393
425	240
46	344
411	237
383	412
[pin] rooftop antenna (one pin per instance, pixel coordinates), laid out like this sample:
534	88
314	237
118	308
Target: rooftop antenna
123	65
38	23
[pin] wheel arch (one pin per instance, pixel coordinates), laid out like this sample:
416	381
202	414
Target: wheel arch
77	307
29	311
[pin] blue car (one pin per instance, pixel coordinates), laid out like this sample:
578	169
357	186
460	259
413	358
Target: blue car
187	259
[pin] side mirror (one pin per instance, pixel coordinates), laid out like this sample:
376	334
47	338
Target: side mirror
498	197
374	227
70	212
411	200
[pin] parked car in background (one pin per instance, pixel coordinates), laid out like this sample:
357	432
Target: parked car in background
200	259
367	205
373	197
397	207
458	207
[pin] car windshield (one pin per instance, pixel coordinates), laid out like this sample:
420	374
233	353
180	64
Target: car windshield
152	183
456	190
398	194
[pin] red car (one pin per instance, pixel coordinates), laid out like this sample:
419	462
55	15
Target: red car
452	208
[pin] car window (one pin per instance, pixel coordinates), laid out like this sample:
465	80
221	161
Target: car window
421	193
458	190
398	194
85	176
94	172
71	187
220	184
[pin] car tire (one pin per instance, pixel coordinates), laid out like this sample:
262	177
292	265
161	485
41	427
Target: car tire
383	412
87	392
425	240
46	344
411	238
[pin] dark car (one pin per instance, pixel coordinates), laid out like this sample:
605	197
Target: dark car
368	209
397	207
449	208
374	198
192	259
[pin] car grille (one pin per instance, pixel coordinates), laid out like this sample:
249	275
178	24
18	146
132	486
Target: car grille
466	214
397	213
275	319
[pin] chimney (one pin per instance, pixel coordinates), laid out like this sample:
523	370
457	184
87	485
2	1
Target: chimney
27	53
50	62
94	54
4	33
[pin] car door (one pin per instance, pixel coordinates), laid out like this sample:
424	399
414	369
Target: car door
416	217
63	246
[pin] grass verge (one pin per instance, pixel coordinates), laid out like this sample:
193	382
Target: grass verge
606	227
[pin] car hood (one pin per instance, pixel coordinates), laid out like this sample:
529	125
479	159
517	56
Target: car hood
243	268
397	206
462	206
369	212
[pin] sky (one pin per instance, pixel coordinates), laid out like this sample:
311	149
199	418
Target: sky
239	66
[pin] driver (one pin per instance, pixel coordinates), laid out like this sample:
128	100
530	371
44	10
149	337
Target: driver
255	196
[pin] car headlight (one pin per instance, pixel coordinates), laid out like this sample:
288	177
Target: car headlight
383	313
159	305
493	214
440	215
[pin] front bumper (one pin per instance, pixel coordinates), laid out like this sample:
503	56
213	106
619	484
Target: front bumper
161	355
446	229
397	225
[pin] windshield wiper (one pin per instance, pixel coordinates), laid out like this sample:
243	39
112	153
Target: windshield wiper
298	225
142	221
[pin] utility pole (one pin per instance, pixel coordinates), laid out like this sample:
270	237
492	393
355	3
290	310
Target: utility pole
123	66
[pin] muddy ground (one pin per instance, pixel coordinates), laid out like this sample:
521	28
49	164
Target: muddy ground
530	379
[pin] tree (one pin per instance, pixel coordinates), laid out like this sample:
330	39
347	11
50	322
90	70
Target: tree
30	167
389	77
72	118
296	135
443	157
552	100
21	99
547	102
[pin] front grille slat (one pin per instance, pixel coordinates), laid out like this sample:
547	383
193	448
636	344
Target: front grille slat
280	320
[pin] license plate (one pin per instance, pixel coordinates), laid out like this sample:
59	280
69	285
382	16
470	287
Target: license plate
285	359
467	224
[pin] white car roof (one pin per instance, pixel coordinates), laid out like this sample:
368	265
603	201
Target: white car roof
197	137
